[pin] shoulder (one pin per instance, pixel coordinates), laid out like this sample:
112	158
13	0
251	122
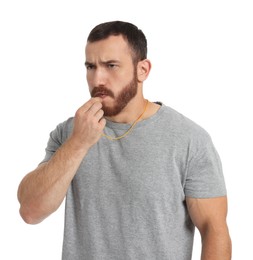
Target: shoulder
67	124
192	135
63	129
181	125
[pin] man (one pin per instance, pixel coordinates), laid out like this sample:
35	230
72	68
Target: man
137	175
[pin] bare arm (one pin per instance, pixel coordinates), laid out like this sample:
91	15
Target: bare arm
209	216
42	191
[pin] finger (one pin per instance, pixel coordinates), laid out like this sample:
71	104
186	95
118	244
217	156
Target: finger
85	107
95	108
99	114
102	123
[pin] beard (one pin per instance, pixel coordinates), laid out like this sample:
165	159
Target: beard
121	100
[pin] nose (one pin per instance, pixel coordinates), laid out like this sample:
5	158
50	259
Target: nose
98	77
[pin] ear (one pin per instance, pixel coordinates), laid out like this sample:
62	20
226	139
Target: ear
143	69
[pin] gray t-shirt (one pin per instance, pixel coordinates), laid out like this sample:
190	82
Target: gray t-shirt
127	200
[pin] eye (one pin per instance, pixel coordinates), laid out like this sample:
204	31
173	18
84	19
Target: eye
111	65
89	67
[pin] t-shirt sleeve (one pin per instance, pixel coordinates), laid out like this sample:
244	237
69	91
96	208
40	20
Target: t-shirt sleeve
204	178
56	139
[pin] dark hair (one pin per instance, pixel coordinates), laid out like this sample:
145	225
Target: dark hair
134	36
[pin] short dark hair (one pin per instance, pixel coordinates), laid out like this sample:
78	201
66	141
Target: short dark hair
134	36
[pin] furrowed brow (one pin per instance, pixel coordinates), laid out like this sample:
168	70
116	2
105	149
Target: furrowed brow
88	63
110	61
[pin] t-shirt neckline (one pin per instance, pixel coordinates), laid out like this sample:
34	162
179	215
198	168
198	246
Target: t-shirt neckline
124	126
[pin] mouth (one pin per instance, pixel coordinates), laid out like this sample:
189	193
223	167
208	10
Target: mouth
101	95
101	92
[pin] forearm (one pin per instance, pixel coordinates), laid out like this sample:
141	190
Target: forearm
216	245
42	191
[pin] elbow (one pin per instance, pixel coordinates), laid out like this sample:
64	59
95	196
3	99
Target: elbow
30	212
30	216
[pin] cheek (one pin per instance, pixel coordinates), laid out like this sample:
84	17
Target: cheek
89	81
88	77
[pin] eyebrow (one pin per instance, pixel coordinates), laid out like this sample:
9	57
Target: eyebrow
110	61
87	63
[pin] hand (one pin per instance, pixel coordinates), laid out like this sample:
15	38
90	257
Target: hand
88	123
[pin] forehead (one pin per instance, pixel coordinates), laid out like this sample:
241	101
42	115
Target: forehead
113	47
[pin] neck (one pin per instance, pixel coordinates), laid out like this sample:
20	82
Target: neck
131	112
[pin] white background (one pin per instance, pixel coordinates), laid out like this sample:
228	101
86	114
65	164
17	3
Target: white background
202	56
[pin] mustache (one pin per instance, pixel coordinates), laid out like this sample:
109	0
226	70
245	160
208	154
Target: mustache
101	91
